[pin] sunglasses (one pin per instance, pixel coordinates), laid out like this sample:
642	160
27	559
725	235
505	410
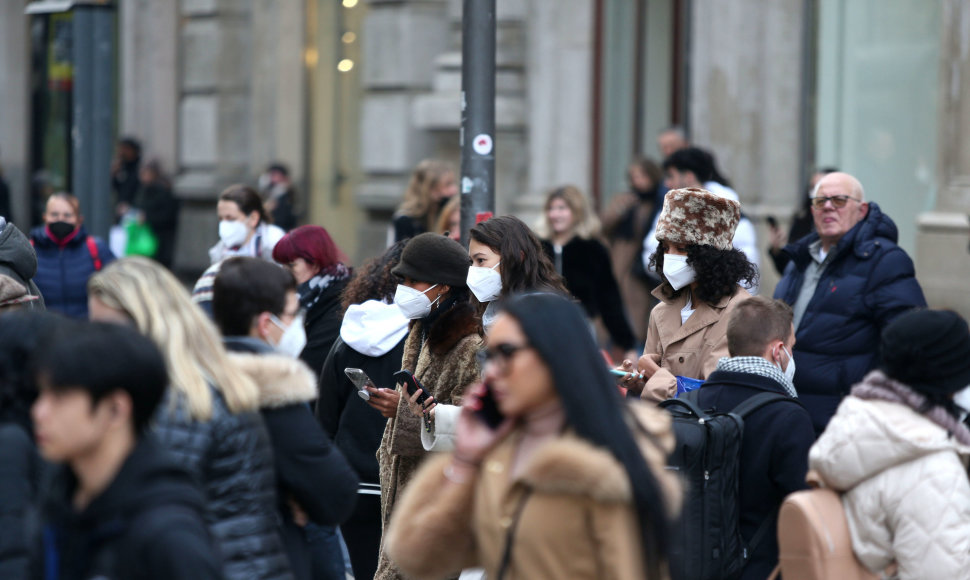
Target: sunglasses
500	354
838	201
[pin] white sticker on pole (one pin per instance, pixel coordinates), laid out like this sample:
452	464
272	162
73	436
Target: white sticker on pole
482	144
466	185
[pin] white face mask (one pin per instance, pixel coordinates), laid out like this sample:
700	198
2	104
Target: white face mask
485	283
232	233
962	398
413	303
790	370
294	336
677	272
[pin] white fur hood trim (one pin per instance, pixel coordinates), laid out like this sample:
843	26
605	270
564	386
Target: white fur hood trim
281	380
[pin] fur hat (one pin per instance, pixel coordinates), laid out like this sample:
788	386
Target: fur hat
434	258
928	350
694	216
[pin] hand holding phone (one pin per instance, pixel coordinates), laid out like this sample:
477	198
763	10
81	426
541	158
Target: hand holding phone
412	384
360	380
489	411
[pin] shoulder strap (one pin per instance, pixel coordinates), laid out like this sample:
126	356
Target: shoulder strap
510	536
754	403
688	401
93	250
761	532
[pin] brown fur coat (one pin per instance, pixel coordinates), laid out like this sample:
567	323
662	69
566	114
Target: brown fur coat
445	364
578	522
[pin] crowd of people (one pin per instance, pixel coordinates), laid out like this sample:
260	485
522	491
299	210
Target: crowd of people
445	411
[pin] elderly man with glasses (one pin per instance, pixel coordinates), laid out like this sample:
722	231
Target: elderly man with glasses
845	282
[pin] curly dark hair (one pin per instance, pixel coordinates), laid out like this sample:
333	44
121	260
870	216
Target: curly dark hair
718	271
373	280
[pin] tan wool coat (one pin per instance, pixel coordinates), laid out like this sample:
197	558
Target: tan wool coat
691	349
445	360
578	522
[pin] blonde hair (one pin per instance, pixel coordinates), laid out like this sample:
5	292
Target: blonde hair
162	310
585	224
444	218
417	198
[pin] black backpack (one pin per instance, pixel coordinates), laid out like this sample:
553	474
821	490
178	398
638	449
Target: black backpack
707	543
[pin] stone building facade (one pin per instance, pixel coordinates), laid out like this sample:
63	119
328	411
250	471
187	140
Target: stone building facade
353	93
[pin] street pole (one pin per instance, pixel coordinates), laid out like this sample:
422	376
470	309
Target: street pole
92	134
477	113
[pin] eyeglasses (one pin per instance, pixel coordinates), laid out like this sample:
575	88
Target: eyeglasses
838	201
500	355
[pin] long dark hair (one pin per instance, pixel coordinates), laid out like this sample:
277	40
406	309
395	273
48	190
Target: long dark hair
248	201
718	271
558	331
524	265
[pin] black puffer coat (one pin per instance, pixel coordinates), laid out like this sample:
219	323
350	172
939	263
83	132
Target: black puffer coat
232	457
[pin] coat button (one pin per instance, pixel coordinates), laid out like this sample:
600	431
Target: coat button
505	522
495	467
681	359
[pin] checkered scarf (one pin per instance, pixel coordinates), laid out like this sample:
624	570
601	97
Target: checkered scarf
756	365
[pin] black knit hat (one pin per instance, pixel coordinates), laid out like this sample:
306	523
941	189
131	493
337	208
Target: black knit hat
435	259
928	350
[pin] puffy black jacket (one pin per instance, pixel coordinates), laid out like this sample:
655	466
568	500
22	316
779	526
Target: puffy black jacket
868	282
63	270
146	524
232	458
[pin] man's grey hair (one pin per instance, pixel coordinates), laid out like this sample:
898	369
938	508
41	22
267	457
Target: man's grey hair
857	188
676	130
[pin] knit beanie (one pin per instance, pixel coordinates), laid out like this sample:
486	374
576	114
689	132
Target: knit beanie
928	350
695	216
435	259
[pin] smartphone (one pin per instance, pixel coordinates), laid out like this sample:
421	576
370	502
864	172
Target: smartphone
360	380
412	384
489	411
620	373
772	222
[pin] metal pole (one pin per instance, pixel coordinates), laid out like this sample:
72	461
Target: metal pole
477	113
92	135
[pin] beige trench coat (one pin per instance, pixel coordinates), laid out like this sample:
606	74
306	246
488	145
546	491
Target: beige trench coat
687	350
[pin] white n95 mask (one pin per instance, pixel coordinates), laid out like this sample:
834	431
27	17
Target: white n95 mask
677	272
294	336
413	303
485	283
232	233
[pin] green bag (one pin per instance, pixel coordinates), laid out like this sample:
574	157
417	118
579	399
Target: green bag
141	240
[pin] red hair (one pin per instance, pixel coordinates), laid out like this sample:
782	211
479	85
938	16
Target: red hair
313	244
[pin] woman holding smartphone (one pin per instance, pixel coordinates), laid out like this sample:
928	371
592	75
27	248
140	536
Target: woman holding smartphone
571	485
506	258
440	351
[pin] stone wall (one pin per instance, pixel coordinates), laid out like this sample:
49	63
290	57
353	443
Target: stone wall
15	116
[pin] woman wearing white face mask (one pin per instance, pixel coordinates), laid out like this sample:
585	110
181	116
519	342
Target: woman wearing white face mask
441	351
507	258
701	273
244	230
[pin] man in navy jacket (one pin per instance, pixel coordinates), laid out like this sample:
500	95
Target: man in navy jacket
777	437
845	282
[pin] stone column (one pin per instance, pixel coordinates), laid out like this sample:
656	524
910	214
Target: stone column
15	116
745	91
559	110
149	92
942	263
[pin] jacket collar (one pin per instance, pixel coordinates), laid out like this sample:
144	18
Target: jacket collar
668	319
281	380
862	240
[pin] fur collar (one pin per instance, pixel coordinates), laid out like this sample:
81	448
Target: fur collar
281	380
452	326
571	465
